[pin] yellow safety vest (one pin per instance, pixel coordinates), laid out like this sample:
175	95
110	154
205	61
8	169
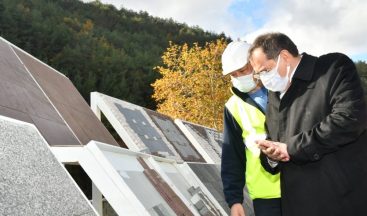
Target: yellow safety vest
260	183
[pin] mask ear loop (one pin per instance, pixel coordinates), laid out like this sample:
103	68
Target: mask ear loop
276	67
288	69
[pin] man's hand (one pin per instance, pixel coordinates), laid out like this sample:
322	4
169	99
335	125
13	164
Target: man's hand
274	150
237	210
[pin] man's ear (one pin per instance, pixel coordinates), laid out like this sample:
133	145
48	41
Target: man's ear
285	55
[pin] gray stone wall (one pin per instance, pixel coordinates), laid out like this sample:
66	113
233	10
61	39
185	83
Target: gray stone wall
32	181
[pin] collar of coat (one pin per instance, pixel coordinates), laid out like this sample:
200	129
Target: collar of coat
305	68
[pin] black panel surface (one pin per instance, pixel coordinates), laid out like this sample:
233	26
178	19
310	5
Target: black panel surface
207	132
175	137
68	101
212	137
22	99
146	132
209	174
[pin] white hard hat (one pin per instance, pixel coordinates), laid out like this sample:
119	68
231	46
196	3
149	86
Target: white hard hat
234	56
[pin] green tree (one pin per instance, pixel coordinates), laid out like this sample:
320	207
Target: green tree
362	70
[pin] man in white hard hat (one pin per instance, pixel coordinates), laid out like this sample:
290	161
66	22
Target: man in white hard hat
243	124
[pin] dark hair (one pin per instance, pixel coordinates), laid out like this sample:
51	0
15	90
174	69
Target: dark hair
273	43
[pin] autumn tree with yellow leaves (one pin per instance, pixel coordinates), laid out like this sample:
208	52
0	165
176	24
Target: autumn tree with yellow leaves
192	87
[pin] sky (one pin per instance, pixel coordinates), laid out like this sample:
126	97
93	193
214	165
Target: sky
316	26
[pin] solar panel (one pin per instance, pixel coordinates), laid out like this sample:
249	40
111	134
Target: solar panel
32	181
22	99
189	188
209	174
32	91
175	137
147	133
147	185
67	100
207	140
146	192
136	128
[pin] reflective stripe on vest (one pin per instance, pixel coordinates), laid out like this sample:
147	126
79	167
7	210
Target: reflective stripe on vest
260	183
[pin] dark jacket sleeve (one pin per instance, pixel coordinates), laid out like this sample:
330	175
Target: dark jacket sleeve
265	163
345	122
233	164
264	159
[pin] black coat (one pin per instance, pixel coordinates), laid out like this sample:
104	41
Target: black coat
322	118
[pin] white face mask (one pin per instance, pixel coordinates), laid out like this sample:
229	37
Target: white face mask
273	81
244	83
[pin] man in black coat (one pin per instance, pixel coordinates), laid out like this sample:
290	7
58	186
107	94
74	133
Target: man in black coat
316	122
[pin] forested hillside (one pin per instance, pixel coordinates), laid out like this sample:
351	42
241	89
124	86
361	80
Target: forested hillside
362	70
99	47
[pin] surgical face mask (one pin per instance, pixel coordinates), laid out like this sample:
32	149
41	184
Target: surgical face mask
244	83
273	81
